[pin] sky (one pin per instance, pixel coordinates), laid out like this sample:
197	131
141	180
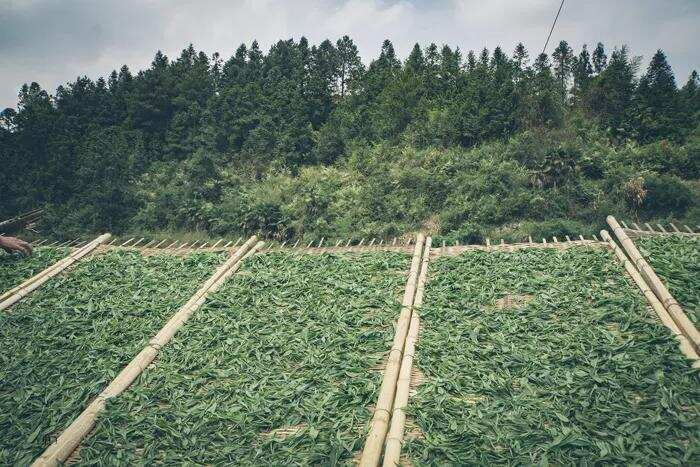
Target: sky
54	41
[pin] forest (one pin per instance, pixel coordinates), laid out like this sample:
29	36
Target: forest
307	141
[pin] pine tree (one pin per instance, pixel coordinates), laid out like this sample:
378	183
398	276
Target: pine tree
520	56
563	60
350	66
582	71
658	109
600	60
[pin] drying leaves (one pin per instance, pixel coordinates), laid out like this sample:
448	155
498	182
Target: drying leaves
676	260
63	343
580	373
15	269
275	369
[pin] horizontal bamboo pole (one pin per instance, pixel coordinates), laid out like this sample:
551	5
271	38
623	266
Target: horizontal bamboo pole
674	309
72	436
685	346
394	439
53	270
379	426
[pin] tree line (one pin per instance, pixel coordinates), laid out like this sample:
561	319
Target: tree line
98	153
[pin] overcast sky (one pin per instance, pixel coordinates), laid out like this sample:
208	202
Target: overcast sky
54	41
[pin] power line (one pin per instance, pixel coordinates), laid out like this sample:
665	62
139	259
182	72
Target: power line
553	24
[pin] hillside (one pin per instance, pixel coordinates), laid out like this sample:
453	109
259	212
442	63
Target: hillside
307	141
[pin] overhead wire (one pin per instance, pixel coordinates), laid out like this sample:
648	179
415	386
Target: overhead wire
552	29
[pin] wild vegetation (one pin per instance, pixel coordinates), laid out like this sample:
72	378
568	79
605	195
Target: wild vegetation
15	269
307	141
676	260
547	357
277	366
62	344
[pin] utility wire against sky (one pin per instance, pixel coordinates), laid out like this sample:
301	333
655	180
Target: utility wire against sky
553	24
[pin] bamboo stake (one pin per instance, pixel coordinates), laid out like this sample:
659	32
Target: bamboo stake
636	226
673	226
137	243
149	243
337	243
227	244
217	243
372	241
203	245
394	439
194	243
320	243
295	243
648	227
688	228
237	242
127	242
71	437
171	245
567	239
684	344
674	309
309	245
581	237
40	242
662	228
529	239
348	243
393	243
380	419
624	225
183	245
36	282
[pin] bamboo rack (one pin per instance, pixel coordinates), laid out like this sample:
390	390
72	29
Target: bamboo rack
72	436
394	439
36	281
379	425
647	272
685	345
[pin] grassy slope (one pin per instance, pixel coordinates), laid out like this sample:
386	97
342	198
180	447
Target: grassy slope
579	373
63	343
289	340
15	269
676	260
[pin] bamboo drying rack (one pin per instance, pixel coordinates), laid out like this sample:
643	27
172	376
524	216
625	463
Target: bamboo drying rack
387	426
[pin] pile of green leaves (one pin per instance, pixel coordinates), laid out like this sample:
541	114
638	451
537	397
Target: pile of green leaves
63	343
578	372
15	269
289	341
676	260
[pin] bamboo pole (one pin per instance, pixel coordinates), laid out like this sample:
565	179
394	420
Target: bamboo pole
380	419
394	440
36	282
674	309
72	436
36	277
684	344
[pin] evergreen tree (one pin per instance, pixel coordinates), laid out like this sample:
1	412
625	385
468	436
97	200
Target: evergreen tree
582	71
350	66
658	109
563	60
600	60
611	92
